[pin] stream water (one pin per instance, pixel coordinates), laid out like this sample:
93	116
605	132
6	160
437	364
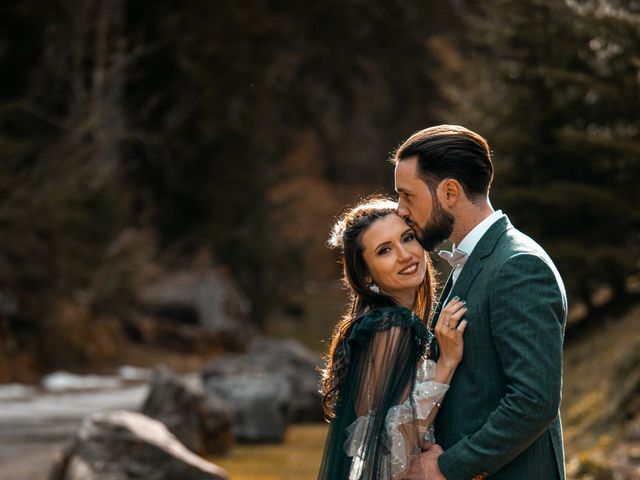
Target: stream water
36	422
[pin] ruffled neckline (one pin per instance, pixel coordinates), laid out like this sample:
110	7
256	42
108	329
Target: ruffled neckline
384	318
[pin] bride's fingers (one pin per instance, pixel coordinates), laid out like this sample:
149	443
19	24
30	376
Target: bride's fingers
462	326
453	307
453	319
449	312
453	304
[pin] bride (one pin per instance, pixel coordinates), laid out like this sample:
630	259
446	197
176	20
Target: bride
380	388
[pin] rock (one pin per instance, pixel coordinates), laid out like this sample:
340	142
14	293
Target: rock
259	401
123	445
300	366
172	336
217	426
207	297
247	380
201	422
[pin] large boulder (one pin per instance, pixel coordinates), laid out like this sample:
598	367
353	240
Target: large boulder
205	297
301	367
173	336
201	422
259	401
275	382
123	445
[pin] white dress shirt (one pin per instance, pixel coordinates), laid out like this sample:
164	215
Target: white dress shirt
472	238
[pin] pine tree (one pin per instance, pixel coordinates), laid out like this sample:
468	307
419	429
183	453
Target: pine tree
558	88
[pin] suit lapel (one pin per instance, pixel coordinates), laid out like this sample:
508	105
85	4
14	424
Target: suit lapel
434	350
483	249
467	276
472	268
442	298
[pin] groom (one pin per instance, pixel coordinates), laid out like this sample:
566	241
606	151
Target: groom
500	416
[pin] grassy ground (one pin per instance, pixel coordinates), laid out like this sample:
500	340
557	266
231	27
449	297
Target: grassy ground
298	458
593	443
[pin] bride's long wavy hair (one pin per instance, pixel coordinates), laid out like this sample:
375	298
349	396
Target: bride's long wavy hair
346	237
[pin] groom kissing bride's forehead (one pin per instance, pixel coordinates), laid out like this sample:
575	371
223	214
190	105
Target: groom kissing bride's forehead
444	165
500	417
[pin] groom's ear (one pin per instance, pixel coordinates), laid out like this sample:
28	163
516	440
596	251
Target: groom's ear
450	191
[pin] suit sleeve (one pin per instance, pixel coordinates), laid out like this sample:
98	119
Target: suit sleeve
527	313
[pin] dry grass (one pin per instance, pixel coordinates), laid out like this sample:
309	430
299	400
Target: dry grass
588	365
298	458
596	448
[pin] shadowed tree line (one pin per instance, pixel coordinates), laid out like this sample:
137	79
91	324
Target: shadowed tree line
184	120
561	88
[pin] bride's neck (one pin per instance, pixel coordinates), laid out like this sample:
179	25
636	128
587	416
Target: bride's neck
406	299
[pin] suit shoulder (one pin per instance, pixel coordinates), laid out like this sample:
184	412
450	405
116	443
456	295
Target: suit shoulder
514	243
516	247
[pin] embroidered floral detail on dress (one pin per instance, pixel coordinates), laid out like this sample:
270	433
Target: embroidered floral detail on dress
405	425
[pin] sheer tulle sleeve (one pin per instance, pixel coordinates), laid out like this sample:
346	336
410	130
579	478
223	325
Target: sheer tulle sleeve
386	399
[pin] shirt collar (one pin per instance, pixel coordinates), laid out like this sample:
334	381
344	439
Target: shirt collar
472	238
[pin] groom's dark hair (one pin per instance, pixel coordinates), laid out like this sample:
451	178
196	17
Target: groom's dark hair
450	151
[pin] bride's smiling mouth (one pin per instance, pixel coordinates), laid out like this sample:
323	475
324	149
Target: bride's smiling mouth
410	270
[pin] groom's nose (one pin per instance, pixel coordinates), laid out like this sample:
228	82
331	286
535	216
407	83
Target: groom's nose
403	211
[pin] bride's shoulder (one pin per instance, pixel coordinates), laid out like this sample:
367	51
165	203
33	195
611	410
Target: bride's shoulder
395	311
384	318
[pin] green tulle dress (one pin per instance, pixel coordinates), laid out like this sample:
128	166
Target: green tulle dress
386	399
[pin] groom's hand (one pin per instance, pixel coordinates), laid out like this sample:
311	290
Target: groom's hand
426	465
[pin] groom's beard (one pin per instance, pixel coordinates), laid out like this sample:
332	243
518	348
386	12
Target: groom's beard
438	227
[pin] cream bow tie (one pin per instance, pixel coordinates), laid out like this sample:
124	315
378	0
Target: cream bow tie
456	259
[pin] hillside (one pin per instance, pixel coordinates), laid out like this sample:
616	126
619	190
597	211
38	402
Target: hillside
601	400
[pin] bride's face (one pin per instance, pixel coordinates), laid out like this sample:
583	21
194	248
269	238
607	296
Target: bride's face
395	260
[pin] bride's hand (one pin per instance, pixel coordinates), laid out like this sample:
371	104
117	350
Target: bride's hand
449	331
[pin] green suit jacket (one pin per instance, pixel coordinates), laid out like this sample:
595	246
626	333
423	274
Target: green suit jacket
500	417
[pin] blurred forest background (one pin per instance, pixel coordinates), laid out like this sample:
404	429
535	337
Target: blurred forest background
216	138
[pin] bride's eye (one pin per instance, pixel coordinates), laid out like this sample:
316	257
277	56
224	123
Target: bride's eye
384	251
409	237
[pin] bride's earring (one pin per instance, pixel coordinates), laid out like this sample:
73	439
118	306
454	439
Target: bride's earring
374	288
